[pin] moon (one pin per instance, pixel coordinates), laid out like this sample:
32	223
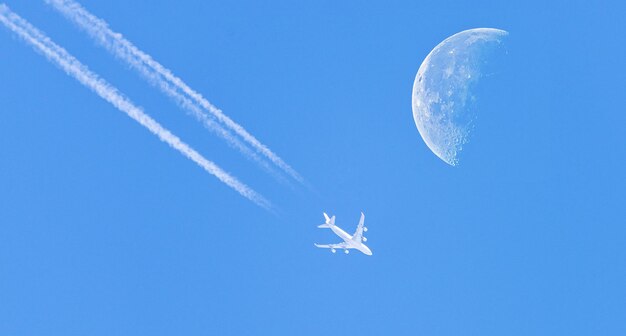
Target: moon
442	98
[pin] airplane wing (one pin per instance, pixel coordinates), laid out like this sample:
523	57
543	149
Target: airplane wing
332	246
358	234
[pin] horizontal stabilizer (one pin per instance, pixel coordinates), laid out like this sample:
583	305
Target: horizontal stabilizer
330	221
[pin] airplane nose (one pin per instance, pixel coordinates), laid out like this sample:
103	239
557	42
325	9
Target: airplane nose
368	251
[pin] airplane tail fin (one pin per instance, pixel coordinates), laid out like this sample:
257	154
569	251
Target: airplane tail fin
330	221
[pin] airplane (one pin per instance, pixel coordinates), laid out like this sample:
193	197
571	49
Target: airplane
349	242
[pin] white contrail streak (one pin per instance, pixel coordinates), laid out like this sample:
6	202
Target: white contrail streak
122	48
74	68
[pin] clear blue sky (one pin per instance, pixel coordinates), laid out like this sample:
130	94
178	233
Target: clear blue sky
104	230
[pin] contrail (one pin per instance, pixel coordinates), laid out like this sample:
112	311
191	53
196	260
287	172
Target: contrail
74	68
122	48
211	125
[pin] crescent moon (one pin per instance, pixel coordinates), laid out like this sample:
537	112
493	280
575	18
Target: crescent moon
442	99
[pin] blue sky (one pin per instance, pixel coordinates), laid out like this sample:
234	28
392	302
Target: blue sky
106	230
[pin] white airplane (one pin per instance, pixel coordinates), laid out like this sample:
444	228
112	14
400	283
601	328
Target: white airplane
349	242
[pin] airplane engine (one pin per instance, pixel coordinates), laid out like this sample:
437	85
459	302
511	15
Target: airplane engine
346	251
364	229
333	250
364	239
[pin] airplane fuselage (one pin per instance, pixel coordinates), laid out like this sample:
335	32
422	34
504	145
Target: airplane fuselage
341	233
348	239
